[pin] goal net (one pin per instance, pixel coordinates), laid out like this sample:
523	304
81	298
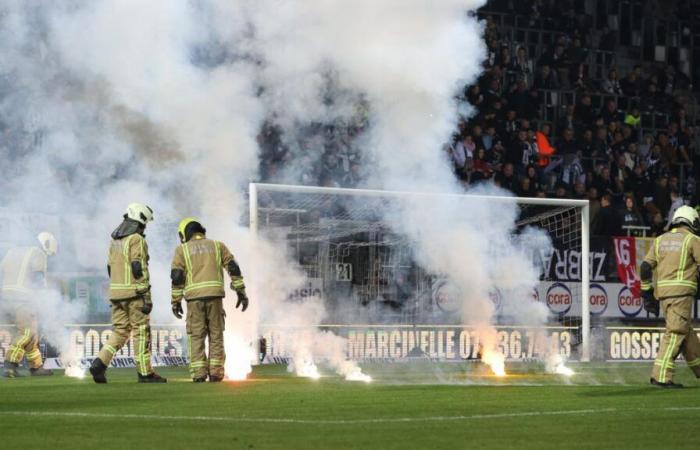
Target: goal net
388	306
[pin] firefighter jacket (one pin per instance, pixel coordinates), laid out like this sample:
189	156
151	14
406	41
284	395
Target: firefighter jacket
675	256
197	270
23	271
128	267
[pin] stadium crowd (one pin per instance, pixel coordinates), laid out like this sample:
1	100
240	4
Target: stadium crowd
624	139
634	173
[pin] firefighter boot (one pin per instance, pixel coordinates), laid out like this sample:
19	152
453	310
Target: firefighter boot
40	372
152	378
98	369
199	379
215	379
668	385
11	370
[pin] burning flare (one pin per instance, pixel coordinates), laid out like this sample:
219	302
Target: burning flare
74	371
556	364
496	361
238	357
308	369
357	375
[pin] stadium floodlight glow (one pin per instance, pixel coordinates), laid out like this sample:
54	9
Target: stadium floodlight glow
290	209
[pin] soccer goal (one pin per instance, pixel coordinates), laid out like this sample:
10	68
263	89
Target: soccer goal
387	305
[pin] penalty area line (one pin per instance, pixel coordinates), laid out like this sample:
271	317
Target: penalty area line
572	412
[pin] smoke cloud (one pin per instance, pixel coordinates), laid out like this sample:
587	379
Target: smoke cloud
108	102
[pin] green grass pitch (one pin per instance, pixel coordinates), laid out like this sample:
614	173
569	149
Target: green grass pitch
407	406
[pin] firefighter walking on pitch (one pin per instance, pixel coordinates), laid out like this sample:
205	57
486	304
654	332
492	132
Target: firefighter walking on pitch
674	259
130	295
197	276
23	273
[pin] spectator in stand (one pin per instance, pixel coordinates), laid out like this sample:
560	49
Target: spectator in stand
583	112
567	145
482	168
603	182
506	178
546	78
519	98
645	147
631	216
525	189
651	100
611	84
510	125
607	221
585	145
579	77
633	118
531	173
631	156
521	153
489	139
676	202
630	86
610	112
567	120
580	190
523	66
458	155
353	178
600	143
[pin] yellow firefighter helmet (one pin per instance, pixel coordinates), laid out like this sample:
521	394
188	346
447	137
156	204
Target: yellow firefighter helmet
182	228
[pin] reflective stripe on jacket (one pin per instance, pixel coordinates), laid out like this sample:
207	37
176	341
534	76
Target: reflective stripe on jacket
23	272
122	252
203	261
674	256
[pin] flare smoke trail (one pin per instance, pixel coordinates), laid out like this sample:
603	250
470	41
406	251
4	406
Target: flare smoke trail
161	102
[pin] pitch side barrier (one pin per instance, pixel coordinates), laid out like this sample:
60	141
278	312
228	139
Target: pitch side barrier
380	343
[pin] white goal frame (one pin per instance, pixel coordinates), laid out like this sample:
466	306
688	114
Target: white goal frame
582	204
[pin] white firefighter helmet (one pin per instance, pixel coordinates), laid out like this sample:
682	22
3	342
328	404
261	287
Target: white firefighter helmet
139	212
685	215
48	242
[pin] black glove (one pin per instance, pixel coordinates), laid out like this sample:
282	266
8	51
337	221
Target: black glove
177	310
651	304
147	304
242	300
147	308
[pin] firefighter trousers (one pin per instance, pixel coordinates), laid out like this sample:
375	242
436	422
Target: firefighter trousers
127	317
678	338
205	319
26	342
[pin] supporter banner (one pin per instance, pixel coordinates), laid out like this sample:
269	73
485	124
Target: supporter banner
564	264
436	342
626	260
168	344
633	343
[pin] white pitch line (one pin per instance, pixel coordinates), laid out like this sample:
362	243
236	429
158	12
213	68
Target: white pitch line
333	422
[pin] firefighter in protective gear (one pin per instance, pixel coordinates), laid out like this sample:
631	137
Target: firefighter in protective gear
197	276
130	296
674	257
23	272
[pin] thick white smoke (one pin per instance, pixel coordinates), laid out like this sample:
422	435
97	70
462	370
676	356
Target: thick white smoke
407	60
161	102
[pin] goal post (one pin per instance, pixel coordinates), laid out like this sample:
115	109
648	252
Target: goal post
353	233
